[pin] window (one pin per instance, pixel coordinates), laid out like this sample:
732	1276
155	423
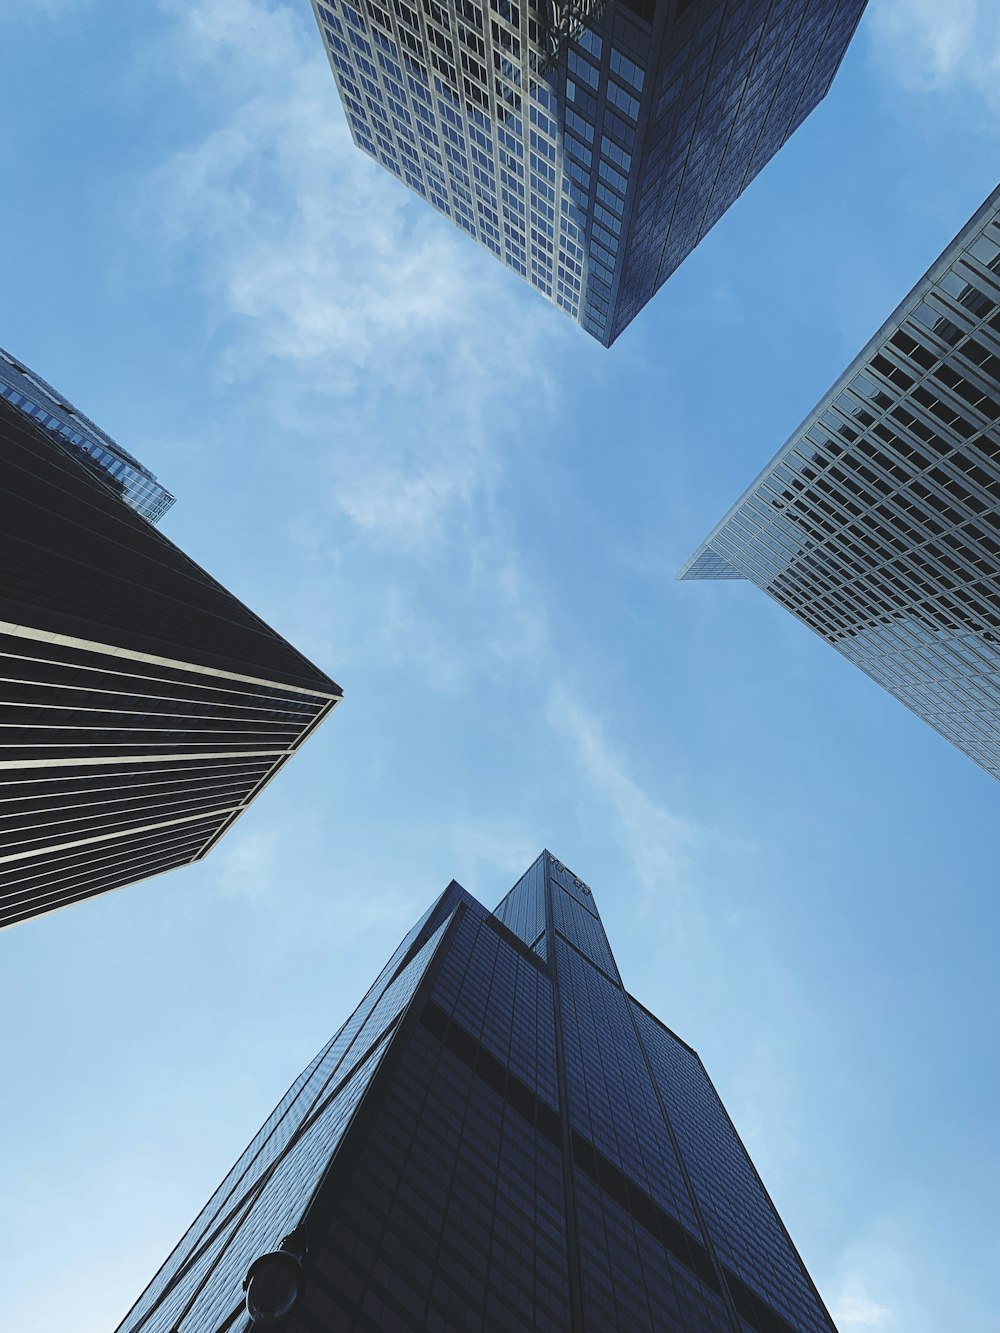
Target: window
613	177
543	96
472	40
581	126
438	13
543	146
508	10
505	40
589	41
623	100
584	70
578	173
472	13
624	67
606	196
390	66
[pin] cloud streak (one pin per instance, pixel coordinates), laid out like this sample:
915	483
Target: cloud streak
658	843
331	281
933	47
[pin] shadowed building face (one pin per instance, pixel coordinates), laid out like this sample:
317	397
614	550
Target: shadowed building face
142	706
499	1138
590	146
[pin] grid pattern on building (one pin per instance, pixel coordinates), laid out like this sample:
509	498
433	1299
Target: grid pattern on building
736	78
608	169
443	95
142	707
533	1152
265	1192
878	524
81	439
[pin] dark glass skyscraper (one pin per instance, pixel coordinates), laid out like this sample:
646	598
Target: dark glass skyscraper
142	706
589	145
499	1138
878	522
81	439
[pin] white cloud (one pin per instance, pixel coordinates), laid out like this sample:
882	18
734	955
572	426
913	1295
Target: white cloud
869	1274
491	855
364	316
481	620
930	45
763	1098
860	1312
248	863
376	343
658	843
884	1281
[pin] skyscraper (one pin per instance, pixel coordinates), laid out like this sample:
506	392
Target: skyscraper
499	1138
878	522
142	706
589	145
81	439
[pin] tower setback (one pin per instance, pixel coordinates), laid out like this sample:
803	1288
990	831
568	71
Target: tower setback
499	1138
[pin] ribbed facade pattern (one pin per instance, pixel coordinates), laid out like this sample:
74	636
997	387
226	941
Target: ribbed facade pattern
499	1139
142	706
878	523
593	176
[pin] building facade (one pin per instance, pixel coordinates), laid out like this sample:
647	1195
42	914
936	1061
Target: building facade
81	439
499	1138
142	706
590	146
878	522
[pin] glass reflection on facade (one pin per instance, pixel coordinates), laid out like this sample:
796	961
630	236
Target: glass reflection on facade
499	1138
878	523
588	145
81	439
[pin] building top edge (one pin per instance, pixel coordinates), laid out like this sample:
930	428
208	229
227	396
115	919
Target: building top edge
983	215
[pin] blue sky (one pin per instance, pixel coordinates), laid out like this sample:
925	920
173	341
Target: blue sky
470	514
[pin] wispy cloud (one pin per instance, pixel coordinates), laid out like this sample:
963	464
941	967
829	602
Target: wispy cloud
485	619
884	1281
370	319
248	861
658	843
860	1312
861	1297
492	855
932	46
374	340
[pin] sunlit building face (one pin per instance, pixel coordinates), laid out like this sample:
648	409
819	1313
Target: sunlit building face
878	523
588	147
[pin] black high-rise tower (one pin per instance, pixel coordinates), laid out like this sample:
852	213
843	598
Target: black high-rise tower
142	706
499	1138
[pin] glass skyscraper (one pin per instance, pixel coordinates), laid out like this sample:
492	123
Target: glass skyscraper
878	523
81	439
499	1138
142	706
589	145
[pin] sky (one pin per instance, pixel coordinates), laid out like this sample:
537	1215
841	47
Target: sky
470	514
